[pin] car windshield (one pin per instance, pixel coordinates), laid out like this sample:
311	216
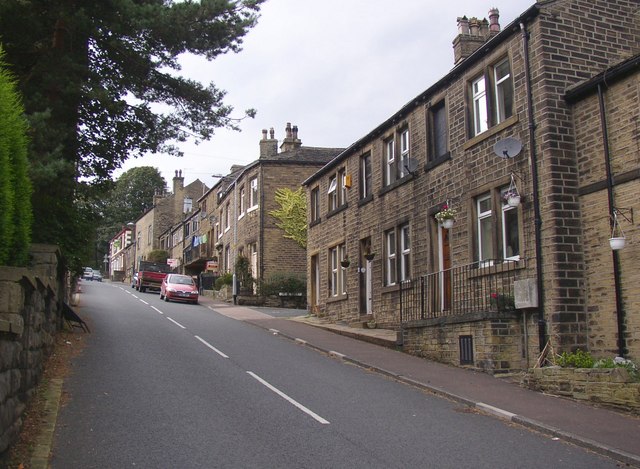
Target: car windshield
182	280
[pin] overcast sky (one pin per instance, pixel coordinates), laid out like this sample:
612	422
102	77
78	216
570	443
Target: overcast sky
335	68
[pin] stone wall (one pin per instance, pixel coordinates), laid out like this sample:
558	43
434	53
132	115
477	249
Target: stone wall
30	316
608	386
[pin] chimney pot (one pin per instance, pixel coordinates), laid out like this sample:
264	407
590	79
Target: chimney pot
494	20
272	133
264	134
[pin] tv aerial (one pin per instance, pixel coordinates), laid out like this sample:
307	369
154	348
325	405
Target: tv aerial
507	148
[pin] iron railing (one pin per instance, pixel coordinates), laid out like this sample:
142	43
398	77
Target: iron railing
479	287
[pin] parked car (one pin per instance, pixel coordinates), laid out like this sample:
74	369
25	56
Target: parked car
97	276
179	287
134	280
150	276
87	274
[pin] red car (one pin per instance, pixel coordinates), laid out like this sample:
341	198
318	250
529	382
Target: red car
179	288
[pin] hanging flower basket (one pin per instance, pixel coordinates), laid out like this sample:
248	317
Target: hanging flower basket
511	196
446	216
369	256
617	243
617	240
344	263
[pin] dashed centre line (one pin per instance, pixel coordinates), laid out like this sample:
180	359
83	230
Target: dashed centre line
176	322
211	347
289	399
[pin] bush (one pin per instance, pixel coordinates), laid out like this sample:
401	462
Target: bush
15	187
577	359
619	362
224	279
284	283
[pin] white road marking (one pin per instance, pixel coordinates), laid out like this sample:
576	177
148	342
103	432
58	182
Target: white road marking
176	322
211	347
134	296
144	302
153	307
289	399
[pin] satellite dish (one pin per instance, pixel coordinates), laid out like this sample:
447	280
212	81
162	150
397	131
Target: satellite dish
411	165
507	147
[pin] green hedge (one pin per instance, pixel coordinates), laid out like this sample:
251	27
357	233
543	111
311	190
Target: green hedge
15	187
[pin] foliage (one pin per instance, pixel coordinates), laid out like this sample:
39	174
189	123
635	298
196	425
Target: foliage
224	279
100	83
158	256
131	196
577	359
284	283
243	272
446	213
292	214
502	301
15	187
619	362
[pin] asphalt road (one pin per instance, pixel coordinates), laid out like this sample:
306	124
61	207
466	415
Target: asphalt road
167	385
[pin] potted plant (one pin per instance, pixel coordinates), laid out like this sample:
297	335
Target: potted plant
511	197
617	240
345	262
446	216
502	301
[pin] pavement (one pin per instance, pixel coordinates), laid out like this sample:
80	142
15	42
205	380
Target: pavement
608	432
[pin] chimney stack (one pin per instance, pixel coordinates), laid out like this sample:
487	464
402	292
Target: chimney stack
473	33
178	182
291	141
268	146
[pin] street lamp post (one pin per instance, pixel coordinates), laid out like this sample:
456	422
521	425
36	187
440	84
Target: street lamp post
106	265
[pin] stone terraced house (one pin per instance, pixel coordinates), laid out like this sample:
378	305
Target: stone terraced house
546	109
235	213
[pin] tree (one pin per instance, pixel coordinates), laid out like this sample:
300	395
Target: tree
15	187
92	74
292	214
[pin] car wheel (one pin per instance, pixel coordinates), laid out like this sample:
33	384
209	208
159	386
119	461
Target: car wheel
143	289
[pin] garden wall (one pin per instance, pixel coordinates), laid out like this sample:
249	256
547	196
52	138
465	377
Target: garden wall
608	386
30	315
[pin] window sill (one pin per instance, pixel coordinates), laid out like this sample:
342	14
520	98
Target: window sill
438	161
337	210
251	209
336	299
397	183
315	222
390	288
490	132
365	201
497	268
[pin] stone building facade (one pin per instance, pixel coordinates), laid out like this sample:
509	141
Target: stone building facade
238	221
491	290
168	211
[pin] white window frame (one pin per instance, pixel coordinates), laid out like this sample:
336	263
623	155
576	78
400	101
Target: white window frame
333	193
227	217
501	88
253	195
479	110
405	253
391	264
338	273
242	202
483	215
507	210
404	153
390	159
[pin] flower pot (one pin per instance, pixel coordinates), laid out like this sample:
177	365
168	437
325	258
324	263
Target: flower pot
617	243
447	223
345	264
370	256
513	201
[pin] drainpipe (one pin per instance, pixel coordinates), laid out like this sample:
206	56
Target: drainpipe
620	314
542	325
